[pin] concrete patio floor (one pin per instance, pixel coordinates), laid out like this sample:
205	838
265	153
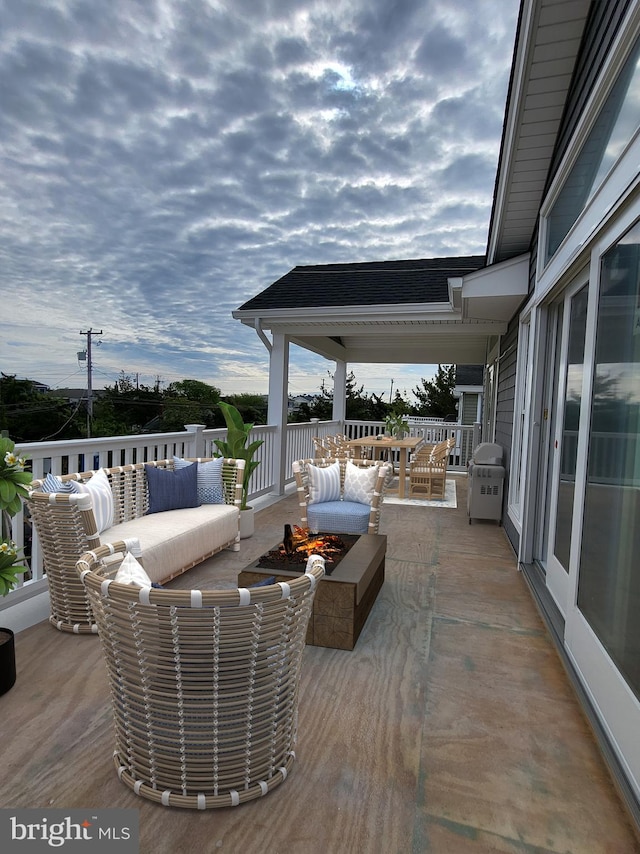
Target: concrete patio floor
450	728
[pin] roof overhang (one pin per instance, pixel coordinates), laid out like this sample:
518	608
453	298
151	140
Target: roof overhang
549	37
456	332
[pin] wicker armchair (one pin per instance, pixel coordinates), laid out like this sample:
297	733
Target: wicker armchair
345	508
428	470
204	683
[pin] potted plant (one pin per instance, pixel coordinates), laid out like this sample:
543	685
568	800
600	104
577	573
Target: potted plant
13	487
238	446
396	425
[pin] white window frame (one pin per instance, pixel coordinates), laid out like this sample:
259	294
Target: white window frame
522	395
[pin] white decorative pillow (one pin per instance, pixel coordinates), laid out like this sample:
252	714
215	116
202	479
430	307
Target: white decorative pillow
210	489
99	489
324	483
131	571
359	483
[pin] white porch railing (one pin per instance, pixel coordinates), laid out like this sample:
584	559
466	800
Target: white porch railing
87	454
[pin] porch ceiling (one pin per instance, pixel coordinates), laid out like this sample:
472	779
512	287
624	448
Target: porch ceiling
405	340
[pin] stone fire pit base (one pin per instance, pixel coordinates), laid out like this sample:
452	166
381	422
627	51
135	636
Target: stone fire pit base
344	599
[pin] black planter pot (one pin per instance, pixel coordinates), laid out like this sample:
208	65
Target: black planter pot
7	660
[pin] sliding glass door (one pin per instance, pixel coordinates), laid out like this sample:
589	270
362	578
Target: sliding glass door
566	330
603	629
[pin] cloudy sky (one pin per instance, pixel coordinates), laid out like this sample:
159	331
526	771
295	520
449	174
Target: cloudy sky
161	161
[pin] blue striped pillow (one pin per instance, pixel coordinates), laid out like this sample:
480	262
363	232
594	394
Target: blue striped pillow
52	483
324	483
210	490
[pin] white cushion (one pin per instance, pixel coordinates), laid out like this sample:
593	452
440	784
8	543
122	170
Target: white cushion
131	571
177	539
99	489
324	483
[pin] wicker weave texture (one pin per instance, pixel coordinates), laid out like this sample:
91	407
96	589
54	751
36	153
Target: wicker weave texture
66	529
204	684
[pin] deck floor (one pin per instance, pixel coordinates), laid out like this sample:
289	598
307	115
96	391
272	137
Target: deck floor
451	727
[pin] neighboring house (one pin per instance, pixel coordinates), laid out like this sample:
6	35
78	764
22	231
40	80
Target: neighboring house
469	390
74	395
295	402
553	313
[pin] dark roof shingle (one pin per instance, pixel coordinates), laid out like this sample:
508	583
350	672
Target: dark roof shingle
422	280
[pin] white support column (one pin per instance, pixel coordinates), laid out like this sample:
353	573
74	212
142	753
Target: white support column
278	406
340	392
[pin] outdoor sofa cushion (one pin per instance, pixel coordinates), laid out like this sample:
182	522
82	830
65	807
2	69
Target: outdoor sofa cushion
177	537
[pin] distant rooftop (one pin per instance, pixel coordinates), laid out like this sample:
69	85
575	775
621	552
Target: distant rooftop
423	280
469	374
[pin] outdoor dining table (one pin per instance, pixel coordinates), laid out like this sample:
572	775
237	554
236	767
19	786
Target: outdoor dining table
379	443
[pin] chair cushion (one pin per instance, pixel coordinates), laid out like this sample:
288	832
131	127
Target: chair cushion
172	490
359	483
210	490
324	483
339	517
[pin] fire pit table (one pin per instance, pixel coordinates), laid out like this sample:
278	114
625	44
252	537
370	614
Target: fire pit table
344	598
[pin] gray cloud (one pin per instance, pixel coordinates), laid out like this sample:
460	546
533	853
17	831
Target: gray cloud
161	162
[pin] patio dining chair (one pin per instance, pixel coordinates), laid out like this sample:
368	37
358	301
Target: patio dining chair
338	447
340	496
320	447
428	470
204	683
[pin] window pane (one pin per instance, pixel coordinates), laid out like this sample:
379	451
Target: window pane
609	580
615	126
571	420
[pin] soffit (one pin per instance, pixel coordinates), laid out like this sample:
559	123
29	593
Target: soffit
549	38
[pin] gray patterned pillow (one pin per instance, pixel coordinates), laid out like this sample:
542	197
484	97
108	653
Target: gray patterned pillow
359	483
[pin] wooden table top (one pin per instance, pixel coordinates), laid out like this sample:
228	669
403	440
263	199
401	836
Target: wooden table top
385	442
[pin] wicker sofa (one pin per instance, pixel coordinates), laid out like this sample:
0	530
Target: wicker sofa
167	543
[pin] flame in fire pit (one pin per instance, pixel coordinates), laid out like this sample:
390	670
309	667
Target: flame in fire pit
292	553
327	546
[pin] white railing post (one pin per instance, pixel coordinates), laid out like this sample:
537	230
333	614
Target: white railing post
195	443
477	435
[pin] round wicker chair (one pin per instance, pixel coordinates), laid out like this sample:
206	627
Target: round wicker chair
204	683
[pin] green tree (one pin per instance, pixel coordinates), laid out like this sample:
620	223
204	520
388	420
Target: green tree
125	408
32	416
359	405
252	407
189	402
435	397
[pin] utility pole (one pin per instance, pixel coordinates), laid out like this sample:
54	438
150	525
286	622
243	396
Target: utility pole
89	333
391	393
